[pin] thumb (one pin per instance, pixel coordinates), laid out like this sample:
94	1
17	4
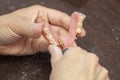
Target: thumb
56	54
29	29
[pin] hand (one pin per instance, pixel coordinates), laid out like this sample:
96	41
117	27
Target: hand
20	31
75	64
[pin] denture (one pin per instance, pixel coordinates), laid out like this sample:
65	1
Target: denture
76	23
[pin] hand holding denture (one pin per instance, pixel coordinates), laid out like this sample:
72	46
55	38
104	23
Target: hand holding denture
65	41
32	29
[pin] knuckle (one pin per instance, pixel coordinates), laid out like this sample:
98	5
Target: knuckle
75	49
94	59
105	71
94	56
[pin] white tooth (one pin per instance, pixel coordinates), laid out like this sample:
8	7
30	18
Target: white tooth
46	30
49	36
81	18
51	40
61	42
79	25
78	30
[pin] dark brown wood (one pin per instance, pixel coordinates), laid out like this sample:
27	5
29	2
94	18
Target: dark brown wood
103	37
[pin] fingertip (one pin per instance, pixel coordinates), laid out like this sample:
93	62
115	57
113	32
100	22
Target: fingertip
37	30
53	49
56	54
50	47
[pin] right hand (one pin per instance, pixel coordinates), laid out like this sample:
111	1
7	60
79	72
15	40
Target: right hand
75	64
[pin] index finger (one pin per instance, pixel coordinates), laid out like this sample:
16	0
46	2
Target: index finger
58	18
62	19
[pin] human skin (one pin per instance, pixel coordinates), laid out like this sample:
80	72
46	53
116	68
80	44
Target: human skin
76	64
21	30
21	34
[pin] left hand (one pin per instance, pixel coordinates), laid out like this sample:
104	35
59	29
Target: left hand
20	31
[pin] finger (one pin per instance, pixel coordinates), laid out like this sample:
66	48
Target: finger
107	78
59	18
62	19
58	32
103	74
55	17
56	54
28	29
93	63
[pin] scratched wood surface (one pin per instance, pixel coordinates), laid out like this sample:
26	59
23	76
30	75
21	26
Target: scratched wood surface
103	37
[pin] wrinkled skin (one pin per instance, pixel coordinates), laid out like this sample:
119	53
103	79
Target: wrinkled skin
76	64
21	34
21	30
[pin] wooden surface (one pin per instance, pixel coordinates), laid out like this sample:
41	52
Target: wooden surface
103	37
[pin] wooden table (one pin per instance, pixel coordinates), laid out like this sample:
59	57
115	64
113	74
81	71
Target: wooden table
103	37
